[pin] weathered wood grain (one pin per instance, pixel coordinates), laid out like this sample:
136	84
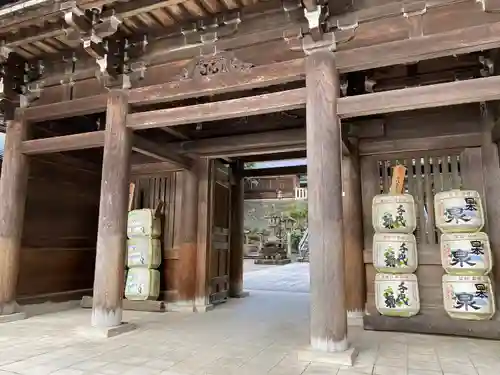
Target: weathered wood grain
236	238
326	244
353	234
13	187
63	143
111	235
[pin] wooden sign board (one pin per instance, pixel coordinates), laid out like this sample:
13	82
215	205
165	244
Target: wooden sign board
398	180
131	194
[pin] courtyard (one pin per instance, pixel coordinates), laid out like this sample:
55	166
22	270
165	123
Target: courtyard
258	335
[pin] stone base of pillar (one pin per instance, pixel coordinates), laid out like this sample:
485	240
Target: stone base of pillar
182	307
203	308
12	317
345	358
355	318
241	294
98	332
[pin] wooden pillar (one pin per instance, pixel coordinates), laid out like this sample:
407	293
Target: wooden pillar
13	187
237	233
112	230
353	235
491	176
324	180
188	237
204	171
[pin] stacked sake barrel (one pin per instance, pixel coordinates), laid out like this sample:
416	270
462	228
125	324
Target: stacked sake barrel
395	251
143	255
465	255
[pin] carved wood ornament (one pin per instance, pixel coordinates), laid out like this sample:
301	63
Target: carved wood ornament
223	62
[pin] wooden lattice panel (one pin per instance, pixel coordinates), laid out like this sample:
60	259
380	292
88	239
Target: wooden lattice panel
426	176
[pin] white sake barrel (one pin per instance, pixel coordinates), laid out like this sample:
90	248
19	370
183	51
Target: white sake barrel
143	252
395	252
143	223
393	213
468	297
458	211
466	253
397	294
142	284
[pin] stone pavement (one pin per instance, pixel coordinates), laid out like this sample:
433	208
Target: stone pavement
293	277
258	335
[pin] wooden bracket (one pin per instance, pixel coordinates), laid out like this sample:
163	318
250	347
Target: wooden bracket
328	42
316	21
94	30
208	31
488	66
293	37
293	9
345	27
119	65
369	84
19	79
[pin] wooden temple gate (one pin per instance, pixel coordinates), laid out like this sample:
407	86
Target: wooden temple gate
178	107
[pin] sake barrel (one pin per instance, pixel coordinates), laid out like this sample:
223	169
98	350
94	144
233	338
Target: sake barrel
395	252
393	213
468	297
397	294
458	211
142	284
466	253
142	222
143	252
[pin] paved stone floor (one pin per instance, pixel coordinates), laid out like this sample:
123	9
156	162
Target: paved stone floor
292	277
258	335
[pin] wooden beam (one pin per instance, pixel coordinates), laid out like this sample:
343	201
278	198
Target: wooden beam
275	156
265	150
277	138
260	76
246	106
154	169
63	143
440	142
409	50
439	95
156	151
66	109
278	171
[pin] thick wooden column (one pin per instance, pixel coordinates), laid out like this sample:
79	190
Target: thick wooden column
353	236
237	233
188	237
491	176
204	171
112	230
324	180
13	186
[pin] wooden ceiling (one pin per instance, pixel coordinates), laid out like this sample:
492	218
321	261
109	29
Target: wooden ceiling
41	29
